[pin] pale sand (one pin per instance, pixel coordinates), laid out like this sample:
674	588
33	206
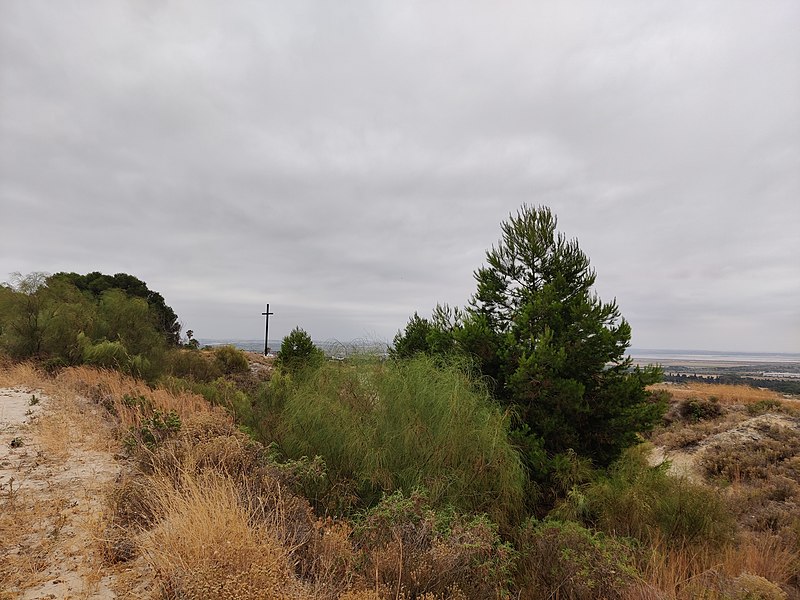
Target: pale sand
52	494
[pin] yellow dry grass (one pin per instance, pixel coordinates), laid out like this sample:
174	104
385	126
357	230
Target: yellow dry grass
25	374
724	393
207	545
686	573
114	391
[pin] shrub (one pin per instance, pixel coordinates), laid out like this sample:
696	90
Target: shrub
694	409
763	406
413	550
565	560
402	425
108	355
153	430
646	503
754	456
230	360
192	364
752	587
298	351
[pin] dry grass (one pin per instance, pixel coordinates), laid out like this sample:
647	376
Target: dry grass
130	400
25	374
208	544
686	574
724	393
748	451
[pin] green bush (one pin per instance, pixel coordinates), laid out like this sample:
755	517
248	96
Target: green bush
298	351
646	503
409	546
230	360
567	561
403	425
694	409
153	430
192	364
107	355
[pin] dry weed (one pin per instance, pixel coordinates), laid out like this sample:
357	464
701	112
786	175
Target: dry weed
20	374
689	573
207	544
130	400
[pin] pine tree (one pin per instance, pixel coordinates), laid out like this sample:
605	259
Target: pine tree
555	351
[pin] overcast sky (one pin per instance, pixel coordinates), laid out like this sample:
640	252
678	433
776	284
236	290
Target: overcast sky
351	162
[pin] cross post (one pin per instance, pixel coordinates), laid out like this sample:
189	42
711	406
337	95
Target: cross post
266	331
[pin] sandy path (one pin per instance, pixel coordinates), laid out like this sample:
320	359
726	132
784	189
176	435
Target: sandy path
56	465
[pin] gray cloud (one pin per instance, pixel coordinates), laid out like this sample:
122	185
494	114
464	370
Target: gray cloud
351	162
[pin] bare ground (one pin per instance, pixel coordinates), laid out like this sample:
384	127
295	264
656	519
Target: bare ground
57	461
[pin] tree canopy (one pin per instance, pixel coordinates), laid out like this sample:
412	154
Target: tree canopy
554	352
113	321
96	284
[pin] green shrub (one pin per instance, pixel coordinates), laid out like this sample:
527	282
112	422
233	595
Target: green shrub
230	360
403	425
567	561
192	364
298	351
646	503
694	409
763	406
409	547
153	430
107	355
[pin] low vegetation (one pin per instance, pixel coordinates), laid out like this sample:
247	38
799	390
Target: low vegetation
198	484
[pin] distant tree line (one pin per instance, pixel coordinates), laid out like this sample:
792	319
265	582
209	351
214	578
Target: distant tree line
783	386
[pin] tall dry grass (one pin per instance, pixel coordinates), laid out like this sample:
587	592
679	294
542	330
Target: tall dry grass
687	573
724	393
208	543
20	374
131	400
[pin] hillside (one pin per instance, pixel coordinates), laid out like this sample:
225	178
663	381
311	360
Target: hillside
112	489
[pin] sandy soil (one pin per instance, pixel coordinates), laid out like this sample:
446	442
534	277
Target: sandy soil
56	464
685	463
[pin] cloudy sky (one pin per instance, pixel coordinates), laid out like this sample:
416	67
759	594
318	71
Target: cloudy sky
350	162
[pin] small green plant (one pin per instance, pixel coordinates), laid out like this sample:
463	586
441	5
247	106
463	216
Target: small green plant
566	560
138	401
33	401
763	406
153	431
230	360
694	409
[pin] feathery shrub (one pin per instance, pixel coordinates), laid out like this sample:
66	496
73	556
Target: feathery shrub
403	425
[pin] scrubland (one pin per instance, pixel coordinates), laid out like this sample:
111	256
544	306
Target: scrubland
368	480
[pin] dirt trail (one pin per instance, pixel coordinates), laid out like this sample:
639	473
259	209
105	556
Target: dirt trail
56	464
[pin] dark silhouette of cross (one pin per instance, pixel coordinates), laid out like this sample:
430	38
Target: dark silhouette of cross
266	331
